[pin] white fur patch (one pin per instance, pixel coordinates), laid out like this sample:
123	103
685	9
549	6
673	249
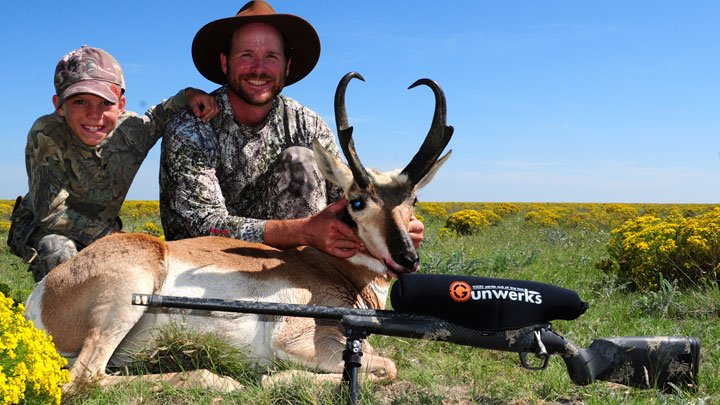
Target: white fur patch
384	179
33	306
368	261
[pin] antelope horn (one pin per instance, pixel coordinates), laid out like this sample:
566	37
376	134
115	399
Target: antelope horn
345	133
436	139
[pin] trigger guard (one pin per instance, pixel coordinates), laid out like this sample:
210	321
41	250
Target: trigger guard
543	366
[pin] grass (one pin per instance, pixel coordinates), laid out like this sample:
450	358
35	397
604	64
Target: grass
440	373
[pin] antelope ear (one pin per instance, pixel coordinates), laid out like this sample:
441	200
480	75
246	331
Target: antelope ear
332	168
431	173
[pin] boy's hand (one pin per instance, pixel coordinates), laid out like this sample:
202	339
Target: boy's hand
203	105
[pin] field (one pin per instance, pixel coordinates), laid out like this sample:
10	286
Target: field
568	245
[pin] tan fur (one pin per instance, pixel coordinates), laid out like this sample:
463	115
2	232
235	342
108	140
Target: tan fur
74	286
85	303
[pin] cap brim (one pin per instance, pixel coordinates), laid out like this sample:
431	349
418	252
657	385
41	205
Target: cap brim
301	36
99	88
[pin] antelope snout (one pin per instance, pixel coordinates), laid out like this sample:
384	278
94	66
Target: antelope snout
409	261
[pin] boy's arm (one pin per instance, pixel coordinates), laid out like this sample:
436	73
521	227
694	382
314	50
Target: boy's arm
157	117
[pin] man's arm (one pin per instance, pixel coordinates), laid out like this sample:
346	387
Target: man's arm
323	231
191	200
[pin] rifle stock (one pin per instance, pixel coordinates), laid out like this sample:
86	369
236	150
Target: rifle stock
638	361
651	361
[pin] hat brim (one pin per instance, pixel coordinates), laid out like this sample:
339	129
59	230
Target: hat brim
300	35
98	88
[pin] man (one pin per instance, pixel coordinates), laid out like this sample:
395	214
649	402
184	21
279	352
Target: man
82	158
249	172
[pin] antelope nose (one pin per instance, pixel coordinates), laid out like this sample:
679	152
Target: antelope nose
409	260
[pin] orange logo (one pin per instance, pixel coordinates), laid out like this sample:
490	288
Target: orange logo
115	90
460	291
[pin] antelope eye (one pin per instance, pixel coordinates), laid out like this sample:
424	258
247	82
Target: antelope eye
357	204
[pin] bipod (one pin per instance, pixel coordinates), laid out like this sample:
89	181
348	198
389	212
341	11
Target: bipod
352	355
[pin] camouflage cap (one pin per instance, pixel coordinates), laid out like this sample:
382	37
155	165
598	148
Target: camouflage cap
89	70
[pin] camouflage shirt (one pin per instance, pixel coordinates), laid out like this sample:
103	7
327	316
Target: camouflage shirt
208	170
77	190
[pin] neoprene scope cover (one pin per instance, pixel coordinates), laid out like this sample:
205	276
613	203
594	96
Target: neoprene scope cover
483	303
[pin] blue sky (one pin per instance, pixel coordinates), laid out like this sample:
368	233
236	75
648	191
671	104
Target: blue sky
552	101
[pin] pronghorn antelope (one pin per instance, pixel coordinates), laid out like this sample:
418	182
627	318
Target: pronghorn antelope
85	303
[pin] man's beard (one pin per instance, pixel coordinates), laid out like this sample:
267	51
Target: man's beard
235	85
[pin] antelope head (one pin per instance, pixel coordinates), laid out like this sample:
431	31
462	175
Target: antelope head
381	204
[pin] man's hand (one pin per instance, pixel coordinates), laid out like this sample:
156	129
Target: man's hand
203	105
323	231
416	228
326	232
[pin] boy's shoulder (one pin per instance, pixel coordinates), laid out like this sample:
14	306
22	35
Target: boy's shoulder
48	123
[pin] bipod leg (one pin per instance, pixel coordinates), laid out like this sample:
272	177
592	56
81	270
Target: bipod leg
352	355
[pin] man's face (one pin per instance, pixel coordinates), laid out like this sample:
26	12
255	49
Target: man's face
90	118
256	67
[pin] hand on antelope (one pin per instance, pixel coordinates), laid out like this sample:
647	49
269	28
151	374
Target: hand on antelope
326	232
416	229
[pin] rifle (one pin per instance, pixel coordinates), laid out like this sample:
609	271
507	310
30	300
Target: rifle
504	324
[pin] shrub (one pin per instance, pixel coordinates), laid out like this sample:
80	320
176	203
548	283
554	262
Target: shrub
658	303
432	209
676	248
466	222
581	219
140	209
4	226
151	229
30	368
492	218
506	209
446	232
619	213
419	217
543	217
5	210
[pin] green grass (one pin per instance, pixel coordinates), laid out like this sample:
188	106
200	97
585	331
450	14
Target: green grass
438	373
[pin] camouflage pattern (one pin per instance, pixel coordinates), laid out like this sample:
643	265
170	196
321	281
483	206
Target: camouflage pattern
76	191
224	178
89	70
51	250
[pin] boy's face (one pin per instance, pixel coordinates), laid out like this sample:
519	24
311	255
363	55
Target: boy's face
90	118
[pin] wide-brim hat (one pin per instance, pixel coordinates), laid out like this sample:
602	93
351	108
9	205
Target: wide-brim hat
299	34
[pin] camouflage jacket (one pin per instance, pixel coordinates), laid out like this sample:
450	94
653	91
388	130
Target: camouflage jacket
207	170
77	190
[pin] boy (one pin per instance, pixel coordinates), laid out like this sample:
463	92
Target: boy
81	159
